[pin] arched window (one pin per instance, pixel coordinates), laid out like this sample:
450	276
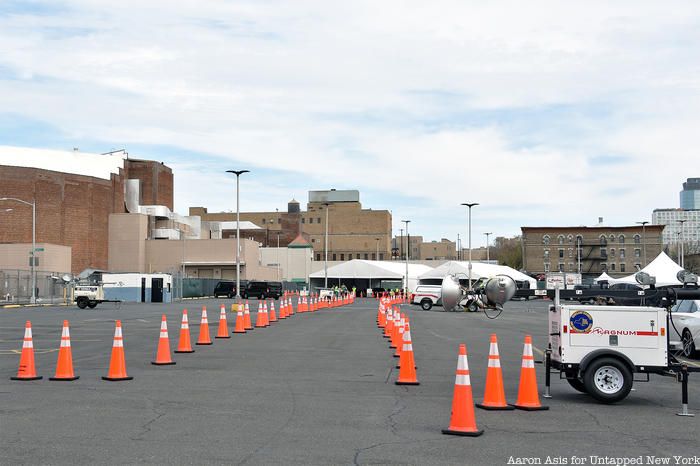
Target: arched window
637	239
603	240
545	240
621	239
612	238
560	238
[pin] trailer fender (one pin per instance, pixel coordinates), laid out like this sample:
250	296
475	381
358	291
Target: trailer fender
590	357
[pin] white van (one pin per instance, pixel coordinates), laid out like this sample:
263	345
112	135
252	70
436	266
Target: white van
427	296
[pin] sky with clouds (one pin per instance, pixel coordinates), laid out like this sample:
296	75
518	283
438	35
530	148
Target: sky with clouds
546	113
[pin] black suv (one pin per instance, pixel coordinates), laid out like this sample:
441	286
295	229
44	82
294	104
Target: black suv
227	289
262	290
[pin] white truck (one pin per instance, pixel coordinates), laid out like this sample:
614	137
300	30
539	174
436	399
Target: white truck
427	296
90	296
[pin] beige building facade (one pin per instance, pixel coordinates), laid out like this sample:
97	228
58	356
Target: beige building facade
592	250
50	257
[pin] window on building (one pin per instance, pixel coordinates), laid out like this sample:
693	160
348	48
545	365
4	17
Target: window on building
561	267
342	257
546	268
612	267
318	220
604	267
374	256
381	256
637	239
263	221
603	252
603	240
313	240
560	239
311	220
571	267
545	240
622	253
622	267
303	220
612	238
637	252
335	257
366	256
561	253
612	252
621	239
318	257
279	220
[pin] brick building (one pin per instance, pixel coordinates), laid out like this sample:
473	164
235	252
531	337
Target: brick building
353	232
75	193
615	250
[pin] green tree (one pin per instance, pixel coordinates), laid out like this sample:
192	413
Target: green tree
507	251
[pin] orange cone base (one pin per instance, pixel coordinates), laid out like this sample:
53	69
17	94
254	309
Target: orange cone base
27	378
463	433
494	407
171	363
397	355
208	343
530	408
176	351
406	383
398	366
227	336
65	379
235	331
117	379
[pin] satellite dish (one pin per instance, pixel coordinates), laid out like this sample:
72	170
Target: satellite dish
67	278
644	278
452	292
500	289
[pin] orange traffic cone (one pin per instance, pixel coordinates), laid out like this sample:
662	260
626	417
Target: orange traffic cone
402	324
240	320
259	319
407	372
64	366
204	338
163	355
528	398
394	337
272	316
283	312
185	344
223	324
462	421
246	317
389	327
494	394
26	370
117	364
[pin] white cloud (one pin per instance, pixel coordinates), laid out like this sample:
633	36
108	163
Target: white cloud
332	91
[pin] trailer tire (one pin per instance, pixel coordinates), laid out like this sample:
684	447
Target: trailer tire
426	304
82	302
92	304
608	380
472	307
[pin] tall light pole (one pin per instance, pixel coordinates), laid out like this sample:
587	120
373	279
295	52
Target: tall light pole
469	230
278	256
644	241
459	250
238	174
681	251
488	258
32	255
408	253
325	250
401	245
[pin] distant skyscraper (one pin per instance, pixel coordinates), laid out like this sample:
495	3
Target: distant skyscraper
690	196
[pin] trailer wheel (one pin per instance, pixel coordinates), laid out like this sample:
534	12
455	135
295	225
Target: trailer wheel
689	349
472	307
92	304
82	302
426	304
608	380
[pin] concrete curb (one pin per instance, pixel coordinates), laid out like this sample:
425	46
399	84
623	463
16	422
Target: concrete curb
14	306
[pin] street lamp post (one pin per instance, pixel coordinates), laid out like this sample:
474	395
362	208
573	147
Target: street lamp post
681	251
644	241
32	255
408	253
325	250
238	174
469	228
488	258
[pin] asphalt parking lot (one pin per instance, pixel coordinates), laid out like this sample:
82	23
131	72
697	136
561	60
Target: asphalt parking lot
317	388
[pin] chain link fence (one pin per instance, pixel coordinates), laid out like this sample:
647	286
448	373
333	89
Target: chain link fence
16	287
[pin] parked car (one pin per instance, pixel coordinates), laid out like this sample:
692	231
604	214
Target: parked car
225	288
427	296
262	290
684	334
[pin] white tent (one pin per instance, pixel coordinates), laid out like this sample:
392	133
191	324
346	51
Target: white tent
604	277
358	269
479	269
663	268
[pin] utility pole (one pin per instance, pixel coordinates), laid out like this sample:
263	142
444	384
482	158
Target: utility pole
681	251
469	228
487	246
408	253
